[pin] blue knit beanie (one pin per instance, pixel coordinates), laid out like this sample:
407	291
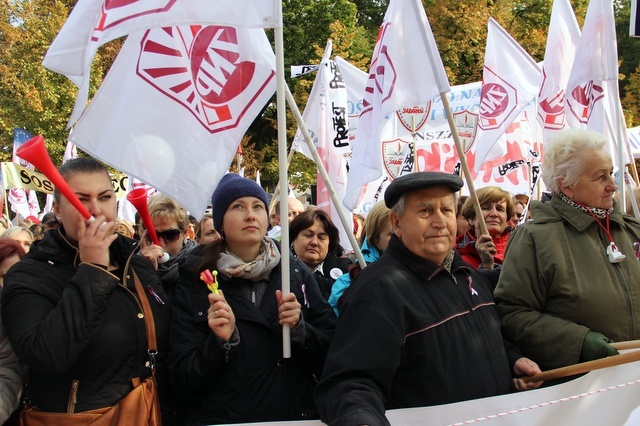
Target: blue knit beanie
230	188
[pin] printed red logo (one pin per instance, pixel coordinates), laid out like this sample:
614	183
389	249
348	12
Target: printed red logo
394	154
583	99
381	69
200	68
115	12
498	100
413	118
466	125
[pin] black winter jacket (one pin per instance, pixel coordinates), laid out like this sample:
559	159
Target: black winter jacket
69	321
251	381
411	334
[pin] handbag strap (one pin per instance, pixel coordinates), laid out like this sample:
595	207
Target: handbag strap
148	322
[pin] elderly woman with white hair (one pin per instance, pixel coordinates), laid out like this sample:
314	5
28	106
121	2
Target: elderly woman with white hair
570	282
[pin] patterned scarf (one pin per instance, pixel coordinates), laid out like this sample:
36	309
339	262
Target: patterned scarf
258	269
599	213
448	261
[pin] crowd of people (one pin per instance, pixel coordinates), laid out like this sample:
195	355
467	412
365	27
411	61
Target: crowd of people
445	310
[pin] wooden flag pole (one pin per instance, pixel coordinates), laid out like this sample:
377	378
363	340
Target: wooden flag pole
583	367
464	166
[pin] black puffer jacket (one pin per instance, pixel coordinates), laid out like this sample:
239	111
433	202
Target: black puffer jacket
250	382
69	321
412	334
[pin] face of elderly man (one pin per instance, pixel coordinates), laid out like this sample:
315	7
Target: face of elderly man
427	226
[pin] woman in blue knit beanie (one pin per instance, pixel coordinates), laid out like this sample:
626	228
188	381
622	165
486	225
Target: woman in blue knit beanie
226	348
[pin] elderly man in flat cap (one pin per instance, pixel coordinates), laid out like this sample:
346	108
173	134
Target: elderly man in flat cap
419	326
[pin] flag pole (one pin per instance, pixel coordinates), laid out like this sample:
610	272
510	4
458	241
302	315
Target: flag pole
282	160
325	177
463	165
415	143
276	191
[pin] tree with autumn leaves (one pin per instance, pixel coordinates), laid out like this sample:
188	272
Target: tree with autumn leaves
41	101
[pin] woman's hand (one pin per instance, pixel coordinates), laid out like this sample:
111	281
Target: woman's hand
220	317
288	309
525	367
151	251
94	240
486	249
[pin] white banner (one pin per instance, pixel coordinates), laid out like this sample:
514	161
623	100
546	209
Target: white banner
602	397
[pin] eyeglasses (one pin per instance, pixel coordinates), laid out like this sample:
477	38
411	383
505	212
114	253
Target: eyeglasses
169	236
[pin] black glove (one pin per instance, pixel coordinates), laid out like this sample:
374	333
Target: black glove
596	346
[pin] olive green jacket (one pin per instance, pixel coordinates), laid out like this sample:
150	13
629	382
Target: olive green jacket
557	283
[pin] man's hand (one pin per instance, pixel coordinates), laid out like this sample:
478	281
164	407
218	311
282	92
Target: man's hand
525	367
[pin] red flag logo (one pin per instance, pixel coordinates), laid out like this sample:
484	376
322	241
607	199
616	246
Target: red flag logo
201	69
497	101
583	99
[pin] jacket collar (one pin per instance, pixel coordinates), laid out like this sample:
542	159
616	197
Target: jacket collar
557	210
421	266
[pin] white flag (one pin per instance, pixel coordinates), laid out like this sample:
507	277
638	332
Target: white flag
93	23
510	81
406	69
562	40
326	117
356	82
70	152
175	105
592	96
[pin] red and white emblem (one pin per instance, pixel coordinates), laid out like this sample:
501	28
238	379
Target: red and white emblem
413	118
200	68
115	12
497	101
582	100
382	76
466	124
551	109
393	155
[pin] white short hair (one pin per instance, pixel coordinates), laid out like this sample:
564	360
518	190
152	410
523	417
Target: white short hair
562	159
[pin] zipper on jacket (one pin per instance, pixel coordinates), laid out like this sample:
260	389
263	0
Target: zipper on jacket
627	299
73	397
625	291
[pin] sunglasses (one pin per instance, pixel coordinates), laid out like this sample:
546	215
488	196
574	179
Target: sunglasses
169	236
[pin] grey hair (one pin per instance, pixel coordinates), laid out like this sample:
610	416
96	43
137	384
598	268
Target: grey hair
398	207
561	159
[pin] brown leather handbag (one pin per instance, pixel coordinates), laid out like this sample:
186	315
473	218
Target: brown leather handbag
139	407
